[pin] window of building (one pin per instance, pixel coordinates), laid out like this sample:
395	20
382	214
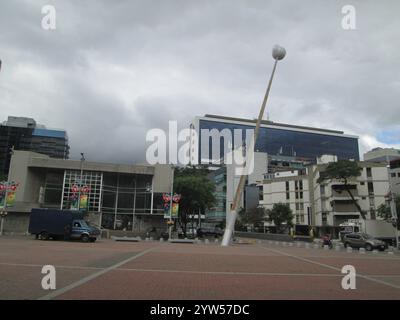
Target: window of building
362	183
260	193
287	195
296	185
370	188
369	172
301	184
287	185
297	195
301	194
393	174
398	174
322	190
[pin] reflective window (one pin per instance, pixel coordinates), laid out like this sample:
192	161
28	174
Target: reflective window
288	142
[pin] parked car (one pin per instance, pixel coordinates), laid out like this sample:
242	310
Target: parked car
363	240
52	224
209	231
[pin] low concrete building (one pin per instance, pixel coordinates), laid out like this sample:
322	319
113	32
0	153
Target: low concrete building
119	196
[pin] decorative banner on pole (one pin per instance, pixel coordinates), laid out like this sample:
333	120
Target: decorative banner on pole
168	213
83	202
175	209
7	189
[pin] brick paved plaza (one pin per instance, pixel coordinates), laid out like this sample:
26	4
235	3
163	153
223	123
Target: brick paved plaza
153	270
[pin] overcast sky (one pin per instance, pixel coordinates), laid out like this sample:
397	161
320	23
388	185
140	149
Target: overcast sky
112	70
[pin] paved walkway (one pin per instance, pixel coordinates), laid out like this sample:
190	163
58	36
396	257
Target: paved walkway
153	270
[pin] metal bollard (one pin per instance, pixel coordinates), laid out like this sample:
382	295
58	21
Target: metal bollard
307	245
290	244
277	243
316	246
349	249
326	247
298	244
338	248
216	241
206	241
374	251
362	251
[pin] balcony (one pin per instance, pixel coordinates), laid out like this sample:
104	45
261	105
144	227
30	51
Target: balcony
346	213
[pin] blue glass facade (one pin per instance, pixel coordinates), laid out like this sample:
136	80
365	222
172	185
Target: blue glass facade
290	142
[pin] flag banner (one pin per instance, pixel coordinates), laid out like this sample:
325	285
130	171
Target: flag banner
2	198
175	209
83	202
10	198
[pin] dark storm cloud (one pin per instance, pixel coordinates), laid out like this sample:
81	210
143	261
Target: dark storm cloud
113	70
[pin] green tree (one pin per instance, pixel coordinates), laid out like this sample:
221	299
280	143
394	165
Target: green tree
196	190
252	216
385	212
343	171
280	215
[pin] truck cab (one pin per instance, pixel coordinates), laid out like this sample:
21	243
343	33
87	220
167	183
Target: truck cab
82	230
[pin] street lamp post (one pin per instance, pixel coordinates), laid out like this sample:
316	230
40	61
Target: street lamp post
3	212
278	53
170	205
392	203
80	182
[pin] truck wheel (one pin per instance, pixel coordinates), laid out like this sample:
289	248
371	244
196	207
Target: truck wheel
85	238
44	235
368	247
92	239
346	244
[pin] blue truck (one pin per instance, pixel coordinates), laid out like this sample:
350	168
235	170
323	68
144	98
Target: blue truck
61	224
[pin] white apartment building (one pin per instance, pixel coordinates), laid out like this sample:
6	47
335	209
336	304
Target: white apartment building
391	157
292	188
324	206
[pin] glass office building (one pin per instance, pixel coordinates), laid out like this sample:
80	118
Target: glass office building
20	133
276	138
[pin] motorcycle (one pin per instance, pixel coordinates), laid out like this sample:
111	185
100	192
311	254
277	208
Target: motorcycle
326	241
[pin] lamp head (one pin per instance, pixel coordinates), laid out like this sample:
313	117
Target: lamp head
278	52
